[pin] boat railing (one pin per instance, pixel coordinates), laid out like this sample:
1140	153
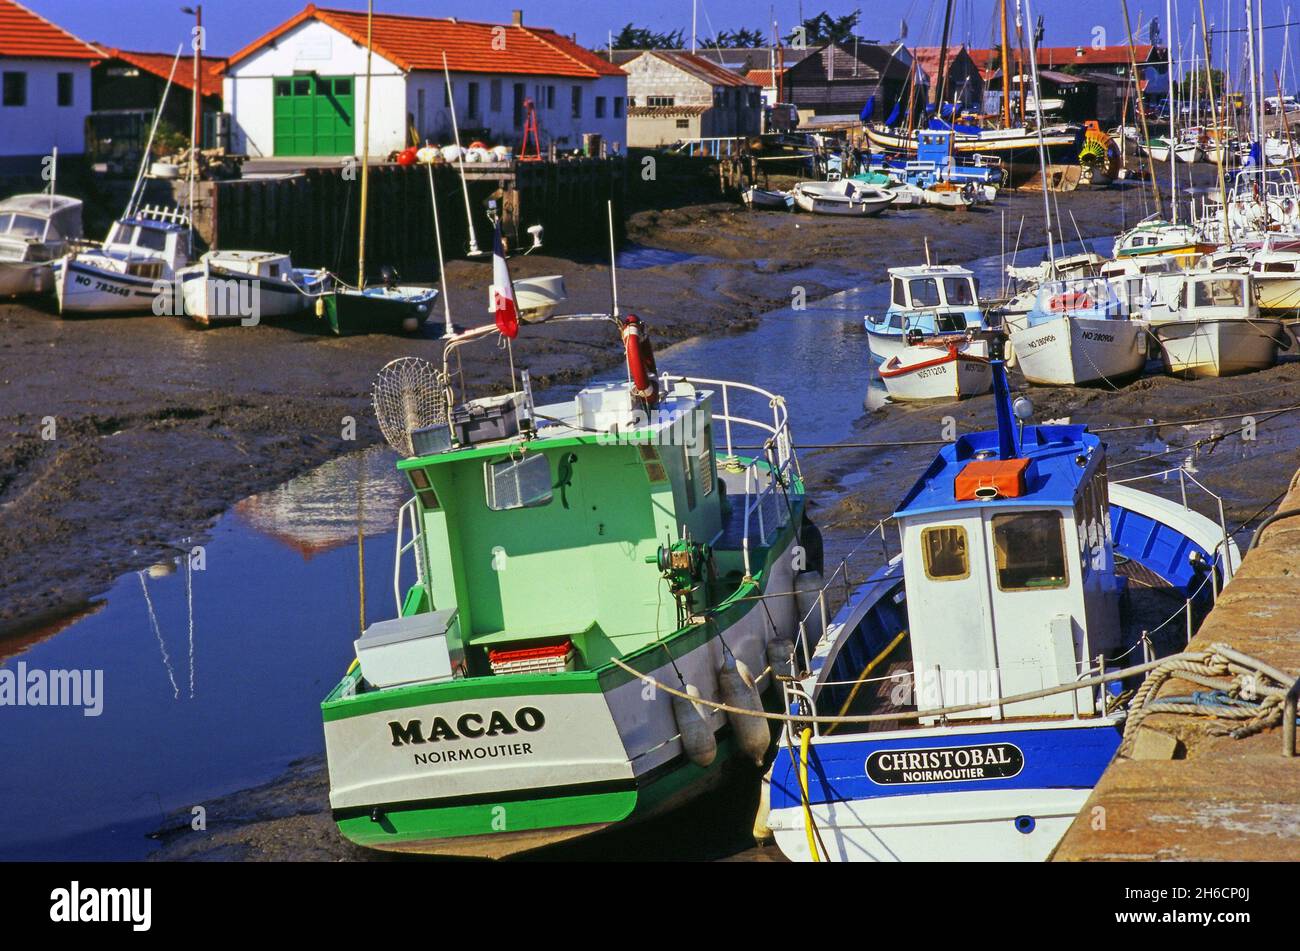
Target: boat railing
1223	553
946	689
853	569
410	538
768	475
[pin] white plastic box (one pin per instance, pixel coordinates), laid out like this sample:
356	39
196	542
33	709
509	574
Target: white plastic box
423	648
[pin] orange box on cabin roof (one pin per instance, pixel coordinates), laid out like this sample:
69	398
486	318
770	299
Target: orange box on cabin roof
1005	477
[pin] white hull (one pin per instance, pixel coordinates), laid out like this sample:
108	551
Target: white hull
1188	153
940	827
929	373
1157	153
214	297
25	277
1201	348
1071	350
821	201
90	290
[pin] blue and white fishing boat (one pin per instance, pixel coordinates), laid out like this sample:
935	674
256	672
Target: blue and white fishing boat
1022	571
932	301
1079	330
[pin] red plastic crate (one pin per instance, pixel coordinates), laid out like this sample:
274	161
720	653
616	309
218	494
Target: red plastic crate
549	658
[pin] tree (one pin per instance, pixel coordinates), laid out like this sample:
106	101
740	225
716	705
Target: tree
824	28
633	37
740	39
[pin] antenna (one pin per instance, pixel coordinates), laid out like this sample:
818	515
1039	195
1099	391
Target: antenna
148	148
613	260
447	329
474	250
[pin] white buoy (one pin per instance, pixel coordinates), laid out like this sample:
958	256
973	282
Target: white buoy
780	656
698	741
736	684
451	153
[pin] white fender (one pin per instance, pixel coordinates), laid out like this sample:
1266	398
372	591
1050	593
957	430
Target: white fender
780	654
736	684
693	724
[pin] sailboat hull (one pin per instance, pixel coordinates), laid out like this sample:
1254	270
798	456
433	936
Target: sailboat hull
349	312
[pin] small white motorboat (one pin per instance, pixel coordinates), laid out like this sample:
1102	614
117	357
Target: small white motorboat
844	197
35	231
1211	326
248	287
132	272
755	197
938	369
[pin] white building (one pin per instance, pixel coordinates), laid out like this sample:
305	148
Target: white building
44	89
300	89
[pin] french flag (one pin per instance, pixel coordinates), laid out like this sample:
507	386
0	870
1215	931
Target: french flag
503	291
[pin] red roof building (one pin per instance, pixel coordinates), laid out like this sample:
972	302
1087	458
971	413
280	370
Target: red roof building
674	95
300	89
44	89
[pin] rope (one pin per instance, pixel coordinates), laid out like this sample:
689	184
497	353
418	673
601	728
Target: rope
1234	681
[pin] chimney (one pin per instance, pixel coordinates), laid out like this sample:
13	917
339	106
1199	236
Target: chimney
517	17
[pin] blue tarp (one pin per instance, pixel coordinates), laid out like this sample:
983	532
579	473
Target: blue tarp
895	115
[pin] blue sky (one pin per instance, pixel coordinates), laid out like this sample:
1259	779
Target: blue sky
159	24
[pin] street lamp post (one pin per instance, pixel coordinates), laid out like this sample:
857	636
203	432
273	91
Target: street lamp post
197	93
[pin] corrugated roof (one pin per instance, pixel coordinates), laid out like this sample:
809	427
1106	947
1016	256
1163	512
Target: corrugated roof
416	43
27	34
160	64
701	68
1055	57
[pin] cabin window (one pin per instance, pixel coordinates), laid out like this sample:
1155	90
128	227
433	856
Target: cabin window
148	238
22	226
945	553
958	292
1029	549
896	321
900	299
1224	293
925	292
950	323
517	483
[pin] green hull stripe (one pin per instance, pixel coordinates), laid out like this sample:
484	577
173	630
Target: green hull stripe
425	825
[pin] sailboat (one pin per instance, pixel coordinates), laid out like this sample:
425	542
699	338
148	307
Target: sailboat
390	307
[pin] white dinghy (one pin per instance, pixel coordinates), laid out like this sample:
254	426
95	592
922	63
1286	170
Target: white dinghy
248	287
938	369
844	197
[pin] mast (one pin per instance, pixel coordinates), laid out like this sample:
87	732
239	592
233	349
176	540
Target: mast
1006	70
1173	117
1137	95
365	147
1220	134
943	56
1253	67
1042	149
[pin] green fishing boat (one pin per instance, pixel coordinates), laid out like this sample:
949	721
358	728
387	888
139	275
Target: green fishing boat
382	309
557	566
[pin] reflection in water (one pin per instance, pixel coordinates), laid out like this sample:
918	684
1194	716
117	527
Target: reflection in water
319	511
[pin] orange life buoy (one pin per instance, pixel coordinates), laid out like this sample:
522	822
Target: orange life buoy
640	360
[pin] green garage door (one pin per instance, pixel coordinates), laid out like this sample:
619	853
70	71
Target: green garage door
313	116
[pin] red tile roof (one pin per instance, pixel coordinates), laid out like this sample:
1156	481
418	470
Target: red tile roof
701	68
762	77
415	43
24	33
160	64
